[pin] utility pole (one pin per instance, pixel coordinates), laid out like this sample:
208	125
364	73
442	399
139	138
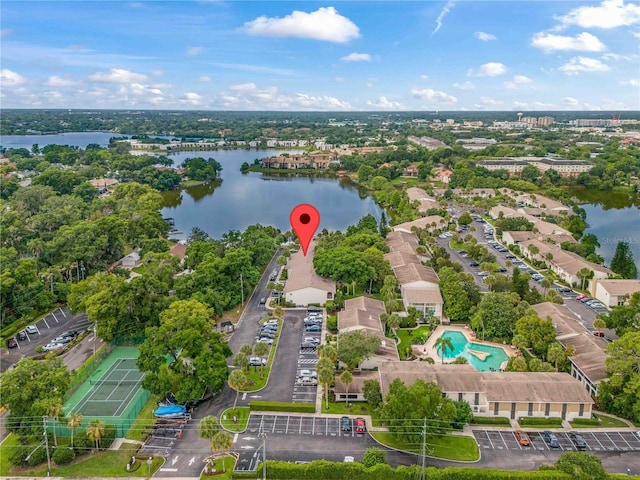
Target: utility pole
263	435
242	289
424	450
46	445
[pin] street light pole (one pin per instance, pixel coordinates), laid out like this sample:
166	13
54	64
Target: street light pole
242	289
46	445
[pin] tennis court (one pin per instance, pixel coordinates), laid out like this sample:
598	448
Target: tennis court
113	392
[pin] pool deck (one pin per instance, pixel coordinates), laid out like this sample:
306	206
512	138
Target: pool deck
429	349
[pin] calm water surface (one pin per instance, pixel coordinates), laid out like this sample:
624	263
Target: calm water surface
240	200
613	217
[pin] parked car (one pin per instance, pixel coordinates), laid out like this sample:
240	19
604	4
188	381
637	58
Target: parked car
360	426
268	334
580	297
269	328
62	340
313	328
22	335
345	424
262	301
474	264
308	373
52	346
551	439
307	381
510	257
584	299
268	341
311	339
31	330
308	345
349	459
257	361
523	438
563	290
598	333
12	343
501	270
578	441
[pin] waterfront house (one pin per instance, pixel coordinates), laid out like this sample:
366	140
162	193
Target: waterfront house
304	287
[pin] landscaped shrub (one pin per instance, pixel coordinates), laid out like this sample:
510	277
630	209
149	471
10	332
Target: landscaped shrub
108	437
63	455
37	457
82	443
19	455
490	421
264	406
332	323
586	421
533	421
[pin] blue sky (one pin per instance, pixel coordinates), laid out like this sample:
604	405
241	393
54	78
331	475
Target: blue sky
343	55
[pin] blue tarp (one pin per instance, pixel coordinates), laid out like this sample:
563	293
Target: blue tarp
170	410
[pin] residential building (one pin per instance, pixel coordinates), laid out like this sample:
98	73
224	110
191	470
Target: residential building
419	288
405	243
294	161
515	165
615	292
410	171
563	263
515	238
131	260
430	222
304	287
588	362
425	201
428	142
497	394
541	226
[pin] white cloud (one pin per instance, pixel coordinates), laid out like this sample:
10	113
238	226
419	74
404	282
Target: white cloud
517	80
465	86
385	104
193	51
520	105
634	82
435	96
424	77
609	14
486	102
56	81
491	69
324	24
485	37
339	79
636	34
244	87
583	64
582	42
52	96
570	102
443	13
203	78
617	57
118	75
9	78
356	57
191	98
251	97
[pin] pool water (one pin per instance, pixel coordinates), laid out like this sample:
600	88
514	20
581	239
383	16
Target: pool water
461	347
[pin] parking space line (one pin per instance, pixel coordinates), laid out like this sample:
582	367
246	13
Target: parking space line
54	317
624	440
503	440
62	311
489	438
313	426
597	440
45	322
542	440
300	429
286	429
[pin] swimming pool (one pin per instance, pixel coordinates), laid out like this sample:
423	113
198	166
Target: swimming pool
493	356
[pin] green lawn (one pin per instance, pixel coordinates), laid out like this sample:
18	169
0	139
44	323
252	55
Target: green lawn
243	418
145	419
355	408
229	464
105	464
407	337
607	421
257	376
448	447
6	448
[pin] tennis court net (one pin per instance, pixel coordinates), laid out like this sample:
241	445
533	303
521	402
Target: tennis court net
115	382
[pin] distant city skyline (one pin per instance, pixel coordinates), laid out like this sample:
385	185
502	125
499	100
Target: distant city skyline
307	56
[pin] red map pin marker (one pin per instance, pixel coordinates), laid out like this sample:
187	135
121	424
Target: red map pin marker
304	219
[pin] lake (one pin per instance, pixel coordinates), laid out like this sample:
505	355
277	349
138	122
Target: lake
238	200
613	217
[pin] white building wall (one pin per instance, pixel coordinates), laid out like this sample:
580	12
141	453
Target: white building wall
306	296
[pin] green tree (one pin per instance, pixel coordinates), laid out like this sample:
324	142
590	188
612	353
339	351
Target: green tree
55	410
95	431
537	333
599	324
222	442
208	427
30	388
545	284
346	378
405	407
373	456
581	466
356	346
372	393
197	353
584	274
74	420
555	354
443	344
261	349
464	414
241	360
326	376
465	218
497	314
622	262
237	380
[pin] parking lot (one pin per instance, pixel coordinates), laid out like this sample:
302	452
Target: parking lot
596	441
282	430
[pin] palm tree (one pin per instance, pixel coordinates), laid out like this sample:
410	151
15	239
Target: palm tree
208	427
246	349
491	280
95	431
443	344
237	379
261	350
54	411
393	322
278	311
328	351
74	421
241	360
545	284
346	378
325	377
584	274
221	442
599	324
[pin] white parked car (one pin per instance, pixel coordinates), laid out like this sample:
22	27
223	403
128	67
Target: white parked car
308	373
307	381
31	330
52	346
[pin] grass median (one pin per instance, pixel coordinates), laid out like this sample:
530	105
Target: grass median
447	447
